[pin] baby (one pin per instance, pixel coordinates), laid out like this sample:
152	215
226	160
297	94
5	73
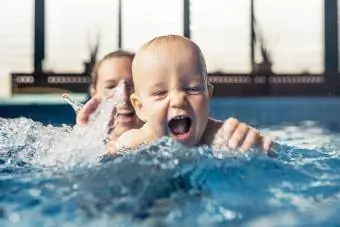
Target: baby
172	98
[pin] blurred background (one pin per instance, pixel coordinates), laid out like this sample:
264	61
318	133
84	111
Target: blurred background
260	48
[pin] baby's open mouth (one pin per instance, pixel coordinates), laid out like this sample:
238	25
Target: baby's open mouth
180	125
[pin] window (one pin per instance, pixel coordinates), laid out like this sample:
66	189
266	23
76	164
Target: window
72	27
222	29
293	34
143	20
17	35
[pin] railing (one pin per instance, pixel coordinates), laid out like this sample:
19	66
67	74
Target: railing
21	82
79	83
260	79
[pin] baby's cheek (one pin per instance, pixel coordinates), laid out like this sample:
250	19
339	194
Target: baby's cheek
158	120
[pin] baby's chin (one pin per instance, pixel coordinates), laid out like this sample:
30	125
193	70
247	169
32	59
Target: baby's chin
187	139
188	143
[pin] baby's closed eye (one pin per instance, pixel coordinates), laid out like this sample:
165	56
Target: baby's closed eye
194	89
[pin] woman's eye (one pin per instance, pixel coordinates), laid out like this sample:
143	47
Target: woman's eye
109	87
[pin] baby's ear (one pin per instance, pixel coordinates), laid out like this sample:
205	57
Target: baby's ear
137	105
210	89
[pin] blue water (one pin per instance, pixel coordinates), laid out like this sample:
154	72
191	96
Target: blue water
165	184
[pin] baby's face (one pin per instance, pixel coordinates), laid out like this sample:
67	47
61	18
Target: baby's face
172	96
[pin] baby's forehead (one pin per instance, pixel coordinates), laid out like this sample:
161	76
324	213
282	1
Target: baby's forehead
166	54
167	47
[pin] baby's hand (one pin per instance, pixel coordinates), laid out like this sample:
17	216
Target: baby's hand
239	135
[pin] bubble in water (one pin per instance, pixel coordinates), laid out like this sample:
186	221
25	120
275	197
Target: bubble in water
14	218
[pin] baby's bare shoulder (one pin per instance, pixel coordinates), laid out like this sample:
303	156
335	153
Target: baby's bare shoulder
213	126
127	141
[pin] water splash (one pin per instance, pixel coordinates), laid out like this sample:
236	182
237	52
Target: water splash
64	146
167	184
164	183
75	105
84	144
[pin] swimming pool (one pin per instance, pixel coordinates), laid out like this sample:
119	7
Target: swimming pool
167	185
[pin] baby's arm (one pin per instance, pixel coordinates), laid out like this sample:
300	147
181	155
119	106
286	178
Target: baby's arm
130	139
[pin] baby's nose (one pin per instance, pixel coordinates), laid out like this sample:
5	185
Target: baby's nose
178	99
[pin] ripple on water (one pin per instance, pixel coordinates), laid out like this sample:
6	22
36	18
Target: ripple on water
164	184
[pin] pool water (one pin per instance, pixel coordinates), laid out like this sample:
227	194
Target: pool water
53	175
